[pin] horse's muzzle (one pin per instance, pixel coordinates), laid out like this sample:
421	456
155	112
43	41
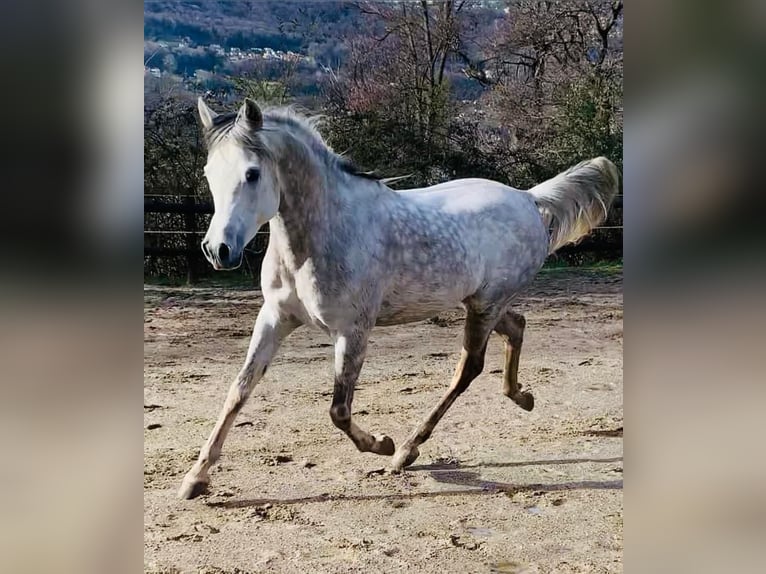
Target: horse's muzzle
221	256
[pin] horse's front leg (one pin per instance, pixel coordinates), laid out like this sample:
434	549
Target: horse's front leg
269	331
350	350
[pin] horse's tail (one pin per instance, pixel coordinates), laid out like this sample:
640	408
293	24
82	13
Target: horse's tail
577	200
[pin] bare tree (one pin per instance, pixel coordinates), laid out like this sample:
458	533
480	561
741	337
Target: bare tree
546	59
267	81
417	40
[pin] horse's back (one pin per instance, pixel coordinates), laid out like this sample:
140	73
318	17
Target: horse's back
474	196
457	240
447	191
487	214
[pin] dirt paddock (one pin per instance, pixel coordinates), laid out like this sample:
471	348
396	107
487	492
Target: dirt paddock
496	489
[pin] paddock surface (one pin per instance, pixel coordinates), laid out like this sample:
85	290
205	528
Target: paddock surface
496	489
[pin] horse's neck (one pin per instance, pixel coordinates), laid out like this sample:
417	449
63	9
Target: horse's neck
318	204
306	214
316	218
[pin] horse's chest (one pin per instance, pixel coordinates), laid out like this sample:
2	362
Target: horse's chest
325	304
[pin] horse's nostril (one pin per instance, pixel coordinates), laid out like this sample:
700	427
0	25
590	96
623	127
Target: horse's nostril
223	252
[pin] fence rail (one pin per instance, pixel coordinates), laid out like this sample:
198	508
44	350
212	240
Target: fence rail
183	232
164	206
186	218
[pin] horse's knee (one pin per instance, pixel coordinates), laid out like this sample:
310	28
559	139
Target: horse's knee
521	325
514	329
341	417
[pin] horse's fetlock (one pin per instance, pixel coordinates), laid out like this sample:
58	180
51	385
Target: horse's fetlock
340	415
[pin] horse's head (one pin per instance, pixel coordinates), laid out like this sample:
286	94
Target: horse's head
243	185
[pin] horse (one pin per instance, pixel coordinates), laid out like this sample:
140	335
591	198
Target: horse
347	253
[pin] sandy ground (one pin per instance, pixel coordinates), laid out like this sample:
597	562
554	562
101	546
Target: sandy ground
496	489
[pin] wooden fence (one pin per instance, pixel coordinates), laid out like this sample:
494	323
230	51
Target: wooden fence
173	229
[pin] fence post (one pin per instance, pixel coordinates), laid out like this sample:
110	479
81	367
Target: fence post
190	222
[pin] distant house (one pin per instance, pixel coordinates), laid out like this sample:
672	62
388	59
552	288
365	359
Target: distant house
203	76
156	72
292	56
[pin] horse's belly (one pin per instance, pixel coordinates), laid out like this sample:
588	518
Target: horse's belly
395	310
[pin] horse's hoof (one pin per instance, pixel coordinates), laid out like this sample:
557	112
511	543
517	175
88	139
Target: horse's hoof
525	400
384	446
412	457
403	459
192	488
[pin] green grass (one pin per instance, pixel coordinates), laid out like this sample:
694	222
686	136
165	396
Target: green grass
237	280
601	267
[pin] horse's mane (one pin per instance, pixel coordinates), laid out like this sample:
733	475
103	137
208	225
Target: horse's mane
226	126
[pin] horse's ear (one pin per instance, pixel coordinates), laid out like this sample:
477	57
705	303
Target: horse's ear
251	113
205	113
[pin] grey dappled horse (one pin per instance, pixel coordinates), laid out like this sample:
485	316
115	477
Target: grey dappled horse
347	253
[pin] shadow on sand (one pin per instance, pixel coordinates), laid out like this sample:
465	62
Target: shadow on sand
452	473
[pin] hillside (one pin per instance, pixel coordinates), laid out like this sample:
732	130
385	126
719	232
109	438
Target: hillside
206	45
312	28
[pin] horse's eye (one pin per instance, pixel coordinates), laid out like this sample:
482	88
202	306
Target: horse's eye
252	175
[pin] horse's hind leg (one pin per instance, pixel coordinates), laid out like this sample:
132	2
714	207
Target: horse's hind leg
511	328
350	349
478	327
268	333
